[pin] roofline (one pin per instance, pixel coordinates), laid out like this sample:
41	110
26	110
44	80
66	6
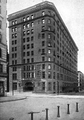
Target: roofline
42	5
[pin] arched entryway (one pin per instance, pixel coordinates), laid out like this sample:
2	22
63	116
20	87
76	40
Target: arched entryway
28	86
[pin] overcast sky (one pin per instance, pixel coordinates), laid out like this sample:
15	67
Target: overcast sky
72	13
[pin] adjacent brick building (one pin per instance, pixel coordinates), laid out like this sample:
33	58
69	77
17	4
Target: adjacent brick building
80	81
3	48
43	55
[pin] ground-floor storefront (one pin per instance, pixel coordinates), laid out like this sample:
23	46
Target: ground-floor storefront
3	86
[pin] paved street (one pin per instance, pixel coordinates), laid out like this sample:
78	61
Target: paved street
20	108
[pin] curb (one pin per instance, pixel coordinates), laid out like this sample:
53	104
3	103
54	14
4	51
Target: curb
17	99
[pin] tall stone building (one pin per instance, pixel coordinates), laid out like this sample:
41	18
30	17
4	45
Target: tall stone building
3	48
43	55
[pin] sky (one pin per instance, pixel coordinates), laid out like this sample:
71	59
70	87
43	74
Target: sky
72	13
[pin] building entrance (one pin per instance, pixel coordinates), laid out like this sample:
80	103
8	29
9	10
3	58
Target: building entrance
28	86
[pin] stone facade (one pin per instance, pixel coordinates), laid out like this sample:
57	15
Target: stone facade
43	55
3	48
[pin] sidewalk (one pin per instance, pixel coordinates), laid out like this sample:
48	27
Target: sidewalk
23	95
9	97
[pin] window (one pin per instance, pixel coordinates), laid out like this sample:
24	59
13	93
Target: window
43	85
32	16
43	58
49	58
43	35
43	13
28	32
23	40
28	39
43	51
43	43
43	74
49	44
15	41
27	17
43	21
15	48
43	66
0	24
49	86
15	21
1	68
49	51
32	45
15	28
13	35
0	9
58	76
32	31
24	27
49	36
28	46
14	76
28	53
43	28
49	21
0	52
32	52
32	38
49	66
53	75
24	19
32	24
28	60
32	60
14	68
49	74
49	28
24	33
0	38
28	25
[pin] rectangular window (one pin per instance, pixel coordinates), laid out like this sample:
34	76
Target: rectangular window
32	45
49	86
0	9
43	51
43	58
43	35
32	38
43	74
28	32
28	25
28	39
24	33
43	66
43	21
49	75
32	24
43	43
28	46
14	76
0	38
27	17
32	16
28	53
28	60
32	53
1	68
24	27
43	85
32	60
43	13
0	24
49	66
0	53
32	31
24	19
